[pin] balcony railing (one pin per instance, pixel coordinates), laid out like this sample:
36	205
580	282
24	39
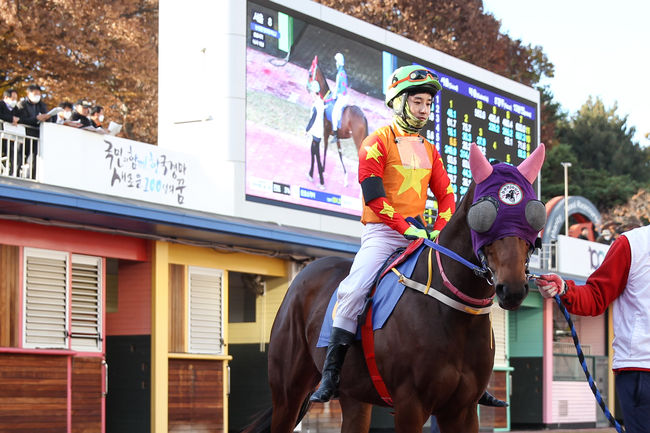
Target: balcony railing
18	151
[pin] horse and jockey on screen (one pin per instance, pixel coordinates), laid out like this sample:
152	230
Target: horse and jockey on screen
341	120
427	346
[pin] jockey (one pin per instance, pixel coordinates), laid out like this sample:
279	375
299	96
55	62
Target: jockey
340	94
396	168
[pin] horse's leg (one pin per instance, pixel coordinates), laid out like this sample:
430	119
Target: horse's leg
466	420
288	393
410	416
356	415
345	126
327	130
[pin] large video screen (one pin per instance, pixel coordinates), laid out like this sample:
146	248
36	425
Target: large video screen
284	48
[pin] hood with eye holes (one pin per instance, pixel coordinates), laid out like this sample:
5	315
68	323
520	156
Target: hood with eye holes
512	192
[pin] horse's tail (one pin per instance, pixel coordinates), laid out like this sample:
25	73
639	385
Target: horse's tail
262	422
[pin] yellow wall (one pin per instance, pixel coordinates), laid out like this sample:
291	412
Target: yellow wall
265	312
165	253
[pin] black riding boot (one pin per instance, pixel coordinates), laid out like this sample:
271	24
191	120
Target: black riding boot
339	343
488	399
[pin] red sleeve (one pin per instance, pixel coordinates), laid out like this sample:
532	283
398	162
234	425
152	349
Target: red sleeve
372	160
441	188
604	285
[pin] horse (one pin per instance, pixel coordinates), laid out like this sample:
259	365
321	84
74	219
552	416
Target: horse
434	359
353	122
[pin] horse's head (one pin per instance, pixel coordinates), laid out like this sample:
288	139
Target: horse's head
315	74
505	219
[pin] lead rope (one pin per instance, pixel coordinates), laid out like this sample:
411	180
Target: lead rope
581	357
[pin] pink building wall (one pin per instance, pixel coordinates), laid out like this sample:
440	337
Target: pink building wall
133	316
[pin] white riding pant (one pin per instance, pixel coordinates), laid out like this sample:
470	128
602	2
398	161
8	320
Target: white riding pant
337	110
378	241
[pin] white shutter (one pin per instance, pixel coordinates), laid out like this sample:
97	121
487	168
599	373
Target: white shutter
45	279
499	319
86	303
205	310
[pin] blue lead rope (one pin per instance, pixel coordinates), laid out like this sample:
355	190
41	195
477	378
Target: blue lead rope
581	357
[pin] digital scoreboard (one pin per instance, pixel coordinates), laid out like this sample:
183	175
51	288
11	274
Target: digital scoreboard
282	47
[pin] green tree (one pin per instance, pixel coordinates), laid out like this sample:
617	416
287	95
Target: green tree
602	140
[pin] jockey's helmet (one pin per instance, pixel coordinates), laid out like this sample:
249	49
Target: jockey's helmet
411	79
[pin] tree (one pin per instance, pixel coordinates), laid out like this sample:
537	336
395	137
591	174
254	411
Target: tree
457	27
104	51
601	140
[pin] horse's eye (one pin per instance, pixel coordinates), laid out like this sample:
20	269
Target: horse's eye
482	214
536	214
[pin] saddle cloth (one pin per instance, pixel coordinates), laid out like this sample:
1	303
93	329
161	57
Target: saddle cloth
388	292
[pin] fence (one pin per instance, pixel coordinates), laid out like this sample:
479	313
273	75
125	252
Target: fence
18	151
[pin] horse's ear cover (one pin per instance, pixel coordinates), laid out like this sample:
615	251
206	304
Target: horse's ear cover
478	164
531	166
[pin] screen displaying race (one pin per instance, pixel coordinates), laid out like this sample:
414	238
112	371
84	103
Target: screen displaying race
292	156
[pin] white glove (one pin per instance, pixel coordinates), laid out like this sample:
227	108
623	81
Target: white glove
551	285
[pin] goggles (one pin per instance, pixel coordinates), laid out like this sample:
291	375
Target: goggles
415	77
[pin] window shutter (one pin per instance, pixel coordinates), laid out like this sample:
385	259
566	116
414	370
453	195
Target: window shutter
86	303
45	303
205	310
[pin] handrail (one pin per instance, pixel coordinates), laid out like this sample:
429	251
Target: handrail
18	150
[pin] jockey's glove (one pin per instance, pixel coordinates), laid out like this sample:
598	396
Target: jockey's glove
412	233
433	235
551	285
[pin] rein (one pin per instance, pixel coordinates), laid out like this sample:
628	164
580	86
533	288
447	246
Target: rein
581	358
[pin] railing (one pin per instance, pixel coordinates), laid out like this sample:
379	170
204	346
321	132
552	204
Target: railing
18	150
548	256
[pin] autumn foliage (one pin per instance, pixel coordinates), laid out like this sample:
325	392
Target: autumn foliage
104	51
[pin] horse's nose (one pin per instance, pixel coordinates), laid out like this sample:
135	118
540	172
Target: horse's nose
511	295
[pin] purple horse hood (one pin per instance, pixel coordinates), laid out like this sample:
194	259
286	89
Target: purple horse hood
511	191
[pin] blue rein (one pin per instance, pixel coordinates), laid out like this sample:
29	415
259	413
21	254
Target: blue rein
581	357
484	271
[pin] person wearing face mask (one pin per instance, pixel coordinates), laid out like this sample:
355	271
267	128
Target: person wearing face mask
97	116
65	114
32	110
8	106
81	112
397	166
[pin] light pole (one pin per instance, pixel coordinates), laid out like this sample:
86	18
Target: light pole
566	166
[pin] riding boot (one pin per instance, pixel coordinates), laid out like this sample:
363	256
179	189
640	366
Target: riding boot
339	343
488	399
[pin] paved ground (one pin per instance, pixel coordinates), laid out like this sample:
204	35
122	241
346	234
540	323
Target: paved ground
588	430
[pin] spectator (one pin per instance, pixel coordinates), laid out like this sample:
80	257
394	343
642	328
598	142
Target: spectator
64	115
605	237
623	281
31	109
82	109
8	111
97	116
584	234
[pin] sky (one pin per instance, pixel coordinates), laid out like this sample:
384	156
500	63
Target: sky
598	48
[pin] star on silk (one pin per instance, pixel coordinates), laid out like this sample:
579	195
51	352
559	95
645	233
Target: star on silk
387	210
412	178
373	152
450	189
446	215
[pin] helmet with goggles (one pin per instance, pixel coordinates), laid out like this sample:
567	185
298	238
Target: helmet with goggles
412	79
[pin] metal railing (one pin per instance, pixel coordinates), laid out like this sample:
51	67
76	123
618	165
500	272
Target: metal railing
18	151
548	257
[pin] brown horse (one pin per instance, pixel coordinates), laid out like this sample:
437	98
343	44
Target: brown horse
433	359
353	122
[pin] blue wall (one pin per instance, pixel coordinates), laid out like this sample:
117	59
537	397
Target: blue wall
525	328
